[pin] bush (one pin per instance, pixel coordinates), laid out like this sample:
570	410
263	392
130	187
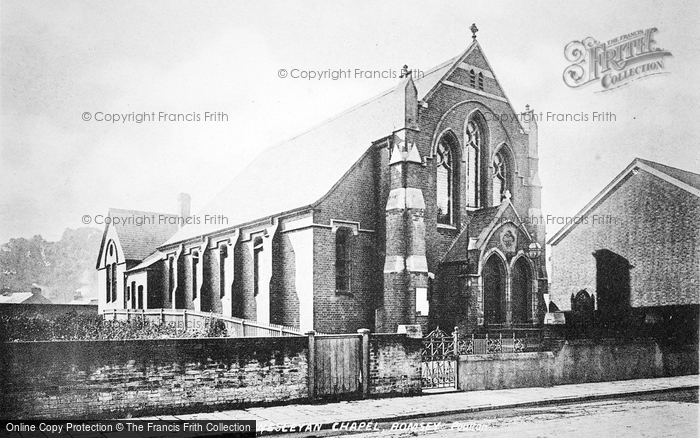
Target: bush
74	326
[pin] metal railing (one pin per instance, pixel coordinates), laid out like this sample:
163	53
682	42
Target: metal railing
489	345
189	319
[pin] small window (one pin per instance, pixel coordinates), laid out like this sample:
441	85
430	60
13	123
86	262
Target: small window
472	79
133	295
108	285
140	302
445	182
481	81
501	177
195	269
257	255
114	282
343	257
223	254
171	276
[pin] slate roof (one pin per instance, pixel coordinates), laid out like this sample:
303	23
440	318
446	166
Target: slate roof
683	179
24	297
15	298
148	261
690	178
478	220
300	171
139	241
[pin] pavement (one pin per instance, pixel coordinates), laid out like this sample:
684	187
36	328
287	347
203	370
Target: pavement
291	418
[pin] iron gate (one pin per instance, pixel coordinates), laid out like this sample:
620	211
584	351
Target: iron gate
438	359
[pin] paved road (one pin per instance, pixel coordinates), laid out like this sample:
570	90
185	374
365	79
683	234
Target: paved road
673	414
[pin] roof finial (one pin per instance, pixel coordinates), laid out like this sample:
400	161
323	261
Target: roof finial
405	72
474	30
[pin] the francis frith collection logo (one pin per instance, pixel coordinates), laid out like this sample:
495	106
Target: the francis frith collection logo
614	63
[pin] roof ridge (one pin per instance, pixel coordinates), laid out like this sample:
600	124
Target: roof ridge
358	105
616	182
650	162
351	131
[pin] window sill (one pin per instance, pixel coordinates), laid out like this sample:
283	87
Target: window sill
446	227
344	293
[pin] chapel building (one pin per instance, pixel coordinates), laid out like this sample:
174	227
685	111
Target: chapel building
418	206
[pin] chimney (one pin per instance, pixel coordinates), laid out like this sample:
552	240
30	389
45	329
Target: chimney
184	210
36	290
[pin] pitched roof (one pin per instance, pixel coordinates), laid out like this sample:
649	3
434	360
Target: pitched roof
139	241
24	298
481	222
148	261
690	178
298	172
15	298
683	179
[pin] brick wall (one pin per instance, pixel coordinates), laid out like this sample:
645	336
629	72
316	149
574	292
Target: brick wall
655	228
602	361
500	371
284	301
107	379
211	290
112	379
395	365
577	362
355	199
243	297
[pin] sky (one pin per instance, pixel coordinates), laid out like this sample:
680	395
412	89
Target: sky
60	60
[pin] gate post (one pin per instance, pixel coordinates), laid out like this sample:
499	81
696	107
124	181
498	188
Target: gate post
311	366
364	362
455	339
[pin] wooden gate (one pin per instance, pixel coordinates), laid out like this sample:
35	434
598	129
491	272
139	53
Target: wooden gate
337	365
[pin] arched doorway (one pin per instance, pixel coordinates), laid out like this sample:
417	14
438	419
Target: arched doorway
612	287
494	280
521	292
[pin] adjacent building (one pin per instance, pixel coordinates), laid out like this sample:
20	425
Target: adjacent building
36	296
635	248
128	276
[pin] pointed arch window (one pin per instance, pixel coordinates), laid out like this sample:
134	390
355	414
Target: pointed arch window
111	259
481	81
474	140
445	182
472	79
501	177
